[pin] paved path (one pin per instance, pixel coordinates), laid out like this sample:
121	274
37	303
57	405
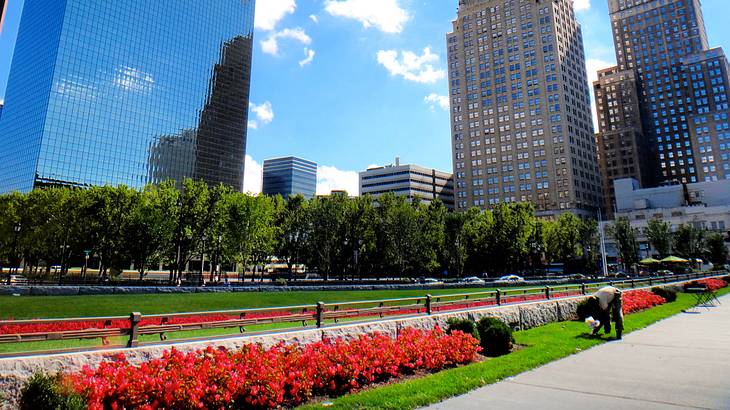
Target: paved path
682	362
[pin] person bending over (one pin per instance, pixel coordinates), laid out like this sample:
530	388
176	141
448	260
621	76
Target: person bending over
605	304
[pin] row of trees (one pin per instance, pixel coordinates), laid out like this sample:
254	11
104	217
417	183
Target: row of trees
334	235
687	241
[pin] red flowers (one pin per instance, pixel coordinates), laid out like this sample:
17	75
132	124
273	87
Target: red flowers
636	300
255	377
713	284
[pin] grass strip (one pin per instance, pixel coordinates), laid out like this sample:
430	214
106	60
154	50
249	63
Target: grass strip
541	346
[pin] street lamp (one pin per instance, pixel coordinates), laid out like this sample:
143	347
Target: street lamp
201	280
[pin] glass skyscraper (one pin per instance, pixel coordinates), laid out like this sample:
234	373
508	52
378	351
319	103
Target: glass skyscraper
118	92
290	176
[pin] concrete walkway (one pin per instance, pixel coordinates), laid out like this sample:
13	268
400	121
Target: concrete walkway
682	362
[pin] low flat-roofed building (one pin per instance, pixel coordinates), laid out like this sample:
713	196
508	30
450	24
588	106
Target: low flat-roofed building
412	181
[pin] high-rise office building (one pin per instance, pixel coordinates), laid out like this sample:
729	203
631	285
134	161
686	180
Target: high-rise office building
623	151
520	107
98	89
290	176
683	86
411	181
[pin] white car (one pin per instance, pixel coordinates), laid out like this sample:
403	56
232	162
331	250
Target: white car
15	280
511	279
432	281
473	280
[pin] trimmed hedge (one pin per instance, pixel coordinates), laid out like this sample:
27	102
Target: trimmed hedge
47	392
495	337
669	294
464	325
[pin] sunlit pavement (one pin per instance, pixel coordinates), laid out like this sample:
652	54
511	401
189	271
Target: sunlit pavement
681	362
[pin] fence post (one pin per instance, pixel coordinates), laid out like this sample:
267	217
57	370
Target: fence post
320	313
428	304
651	281
633	284
582	288
134	319
499	297
547	292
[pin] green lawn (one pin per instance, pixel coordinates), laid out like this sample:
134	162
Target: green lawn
542	345
33	307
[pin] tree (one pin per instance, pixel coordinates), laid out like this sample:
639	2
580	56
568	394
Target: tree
456	242
151	229
192	216
564	238
591	240
660	237
398	233
689	241
294	223
431	238
478	227
509	236
717	249
326	236
625	236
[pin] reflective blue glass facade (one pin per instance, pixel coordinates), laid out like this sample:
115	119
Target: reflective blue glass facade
290	176
117	92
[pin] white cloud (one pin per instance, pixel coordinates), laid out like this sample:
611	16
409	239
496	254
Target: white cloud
264	114
440	100
386	15
133	79
309	56
314	18
271	44
330	178
411	66
270	12
253	176
581	5
592	67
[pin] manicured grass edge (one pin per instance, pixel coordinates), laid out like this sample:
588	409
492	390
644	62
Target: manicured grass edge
541	346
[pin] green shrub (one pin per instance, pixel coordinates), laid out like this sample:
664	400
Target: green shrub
465	325
668	293
47	392
726	279
495	337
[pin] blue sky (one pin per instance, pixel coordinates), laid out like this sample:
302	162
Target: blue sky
354	83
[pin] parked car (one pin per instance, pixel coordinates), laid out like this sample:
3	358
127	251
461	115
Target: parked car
510	279
473	280
664	273
619	275
431	281
15	280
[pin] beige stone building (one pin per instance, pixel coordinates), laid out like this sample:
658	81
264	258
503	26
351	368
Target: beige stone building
520	107
412	181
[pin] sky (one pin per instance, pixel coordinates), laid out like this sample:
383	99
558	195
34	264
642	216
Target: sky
354	83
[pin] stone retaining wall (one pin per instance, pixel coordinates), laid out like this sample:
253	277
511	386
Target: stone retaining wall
15	371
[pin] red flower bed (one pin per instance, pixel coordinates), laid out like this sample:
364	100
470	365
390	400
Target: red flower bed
637	300
255	377
713	284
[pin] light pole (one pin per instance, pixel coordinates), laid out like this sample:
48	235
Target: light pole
16	231
63	262
201	280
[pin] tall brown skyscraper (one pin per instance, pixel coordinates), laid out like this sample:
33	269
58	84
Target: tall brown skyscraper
520	108
682	87
623	150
